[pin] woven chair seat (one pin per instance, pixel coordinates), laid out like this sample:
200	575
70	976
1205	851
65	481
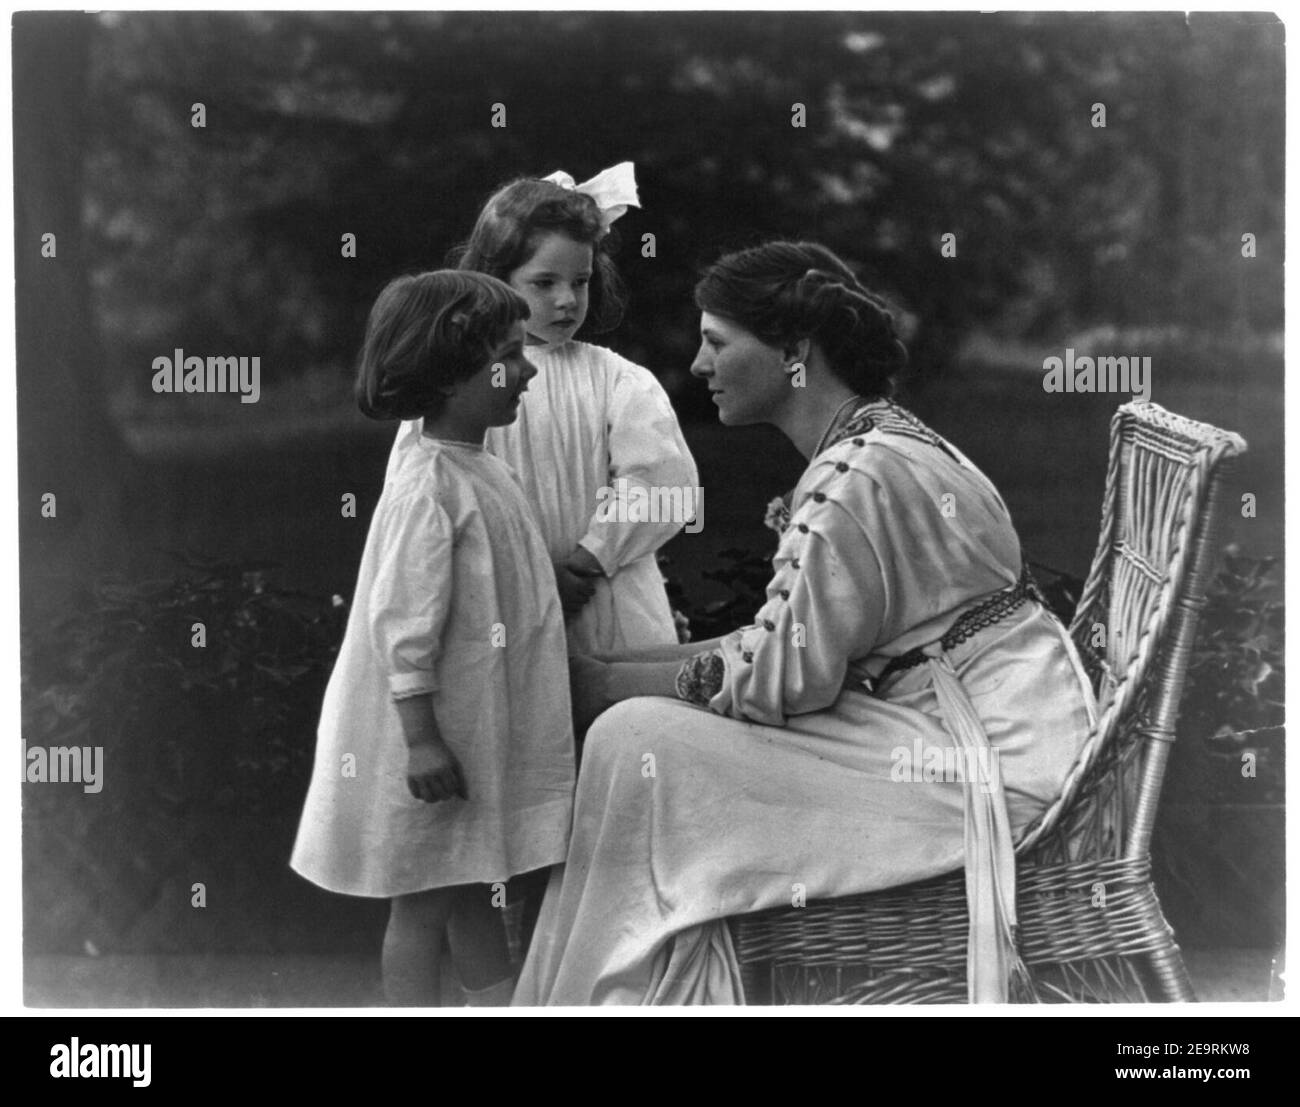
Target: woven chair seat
1090	923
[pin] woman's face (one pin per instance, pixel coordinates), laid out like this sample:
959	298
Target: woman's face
555	282
746	376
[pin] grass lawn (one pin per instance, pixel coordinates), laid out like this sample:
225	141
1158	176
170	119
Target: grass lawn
340	980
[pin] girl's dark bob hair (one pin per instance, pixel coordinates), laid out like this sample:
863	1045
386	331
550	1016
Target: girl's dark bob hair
429	331
518	215
785	291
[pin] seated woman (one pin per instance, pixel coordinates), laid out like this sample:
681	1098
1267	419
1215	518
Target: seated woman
902	705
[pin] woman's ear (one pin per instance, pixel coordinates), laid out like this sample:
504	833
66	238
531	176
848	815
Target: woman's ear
796	353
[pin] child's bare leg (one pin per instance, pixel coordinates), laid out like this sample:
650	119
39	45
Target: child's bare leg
530	888
413	946
477	934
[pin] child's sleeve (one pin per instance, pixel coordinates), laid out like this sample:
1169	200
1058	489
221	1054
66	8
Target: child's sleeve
653	486
410	595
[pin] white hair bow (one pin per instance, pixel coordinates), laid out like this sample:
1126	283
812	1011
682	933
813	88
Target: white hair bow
613	189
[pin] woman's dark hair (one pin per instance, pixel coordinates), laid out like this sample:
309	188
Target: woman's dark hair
518	215
784	291
426	332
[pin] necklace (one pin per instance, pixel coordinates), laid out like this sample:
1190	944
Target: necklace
834	419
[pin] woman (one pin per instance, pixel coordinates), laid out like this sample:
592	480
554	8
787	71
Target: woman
902	706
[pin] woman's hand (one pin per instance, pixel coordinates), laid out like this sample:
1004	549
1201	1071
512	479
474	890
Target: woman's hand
676	651
595	685
432	772
589	686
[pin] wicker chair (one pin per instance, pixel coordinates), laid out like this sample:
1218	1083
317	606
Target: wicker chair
1090	925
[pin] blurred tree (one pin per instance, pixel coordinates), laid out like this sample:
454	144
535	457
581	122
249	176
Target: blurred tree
379	125
68	447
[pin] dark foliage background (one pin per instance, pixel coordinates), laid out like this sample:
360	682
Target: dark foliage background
379	126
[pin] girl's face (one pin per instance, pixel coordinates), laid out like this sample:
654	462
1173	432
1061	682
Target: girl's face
555	282
491	397
746	376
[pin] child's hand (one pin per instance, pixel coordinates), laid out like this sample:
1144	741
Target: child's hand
574	590
575	577
433	773
582	562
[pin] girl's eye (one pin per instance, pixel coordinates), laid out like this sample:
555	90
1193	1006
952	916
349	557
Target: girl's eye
582	282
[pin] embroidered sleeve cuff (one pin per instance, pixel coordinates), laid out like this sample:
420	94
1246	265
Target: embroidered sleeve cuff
700	677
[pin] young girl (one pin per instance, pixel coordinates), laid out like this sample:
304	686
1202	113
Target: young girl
596	440
444	759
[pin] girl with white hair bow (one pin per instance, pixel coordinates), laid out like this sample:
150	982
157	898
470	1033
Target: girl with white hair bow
597	446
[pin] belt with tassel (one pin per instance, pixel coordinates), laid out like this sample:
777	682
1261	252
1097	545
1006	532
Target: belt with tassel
997	607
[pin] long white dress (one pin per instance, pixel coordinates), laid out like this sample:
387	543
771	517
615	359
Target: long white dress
455	599
595	437
788	786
